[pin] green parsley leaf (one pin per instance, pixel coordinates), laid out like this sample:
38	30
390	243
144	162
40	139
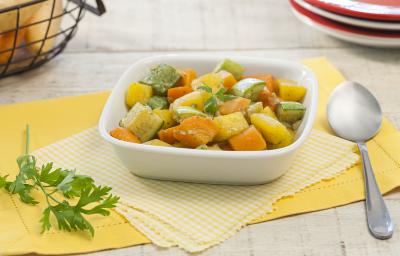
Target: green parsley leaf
24	195
211	105
45	220
3	181
224	97
77	185
228	97
65	184
205	88
221	92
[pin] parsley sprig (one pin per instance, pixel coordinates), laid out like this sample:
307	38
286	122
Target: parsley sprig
67	185
211	104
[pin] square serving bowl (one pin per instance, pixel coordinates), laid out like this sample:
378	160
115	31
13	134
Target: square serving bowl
208	166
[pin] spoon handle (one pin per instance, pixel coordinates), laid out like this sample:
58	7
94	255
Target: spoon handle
380	223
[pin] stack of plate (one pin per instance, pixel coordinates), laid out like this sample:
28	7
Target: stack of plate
366	22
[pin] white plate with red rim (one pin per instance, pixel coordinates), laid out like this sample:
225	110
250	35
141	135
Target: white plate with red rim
362	36
366	9
385	25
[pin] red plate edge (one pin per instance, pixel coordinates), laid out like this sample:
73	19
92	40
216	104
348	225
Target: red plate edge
353	13
339	26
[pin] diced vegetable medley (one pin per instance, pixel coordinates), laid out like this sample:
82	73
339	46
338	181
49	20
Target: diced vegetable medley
221	110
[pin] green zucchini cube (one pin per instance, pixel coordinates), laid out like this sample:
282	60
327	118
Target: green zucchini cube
249	88
232	67
158	102
183	112
290	111
161	78
142	122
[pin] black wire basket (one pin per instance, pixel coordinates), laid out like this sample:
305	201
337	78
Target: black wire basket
34	32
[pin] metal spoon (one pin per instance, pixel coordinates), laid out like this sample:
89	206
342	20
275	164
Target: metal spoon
354	114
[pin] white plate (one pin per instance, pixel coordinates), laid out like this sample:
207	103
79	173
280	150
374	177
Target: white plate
220	167
367	9
349	20
349	34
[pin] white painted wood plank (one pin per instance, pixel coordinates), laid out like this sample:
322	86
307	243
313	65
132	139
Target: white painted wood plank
163	25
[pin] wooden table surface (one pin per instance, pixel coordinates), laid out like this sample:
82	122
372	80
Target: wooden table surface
130	30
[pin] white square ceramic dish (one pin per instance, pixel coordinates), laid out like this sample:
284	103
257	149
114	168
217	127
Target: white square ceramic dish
219	167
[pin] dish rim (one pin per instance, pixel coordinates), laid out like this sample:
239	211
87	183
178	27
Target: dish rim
312	108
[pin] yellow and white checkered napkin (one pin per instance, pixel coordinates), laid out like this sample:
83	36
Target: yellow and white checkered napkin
195	216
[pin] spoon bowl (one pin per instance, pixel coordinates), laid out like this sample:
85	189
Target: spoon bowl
354	114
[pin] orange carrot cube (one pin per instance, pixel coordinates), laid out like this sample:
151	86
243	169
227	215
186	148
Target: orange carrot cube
228	80
235	105
195	131
177	92
167	135
248	140
124	134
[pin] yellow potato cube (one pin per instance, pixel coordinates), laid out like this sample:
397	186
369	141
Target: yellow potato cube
179	145
166	116
214	147
212	80
272	130
290	90
194	99
138	92
269	112
157	142
142	122
286	142
230	125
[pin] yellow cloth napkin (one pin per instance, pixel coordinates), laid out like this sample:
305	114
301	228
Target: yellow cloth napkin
195	216
53	120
